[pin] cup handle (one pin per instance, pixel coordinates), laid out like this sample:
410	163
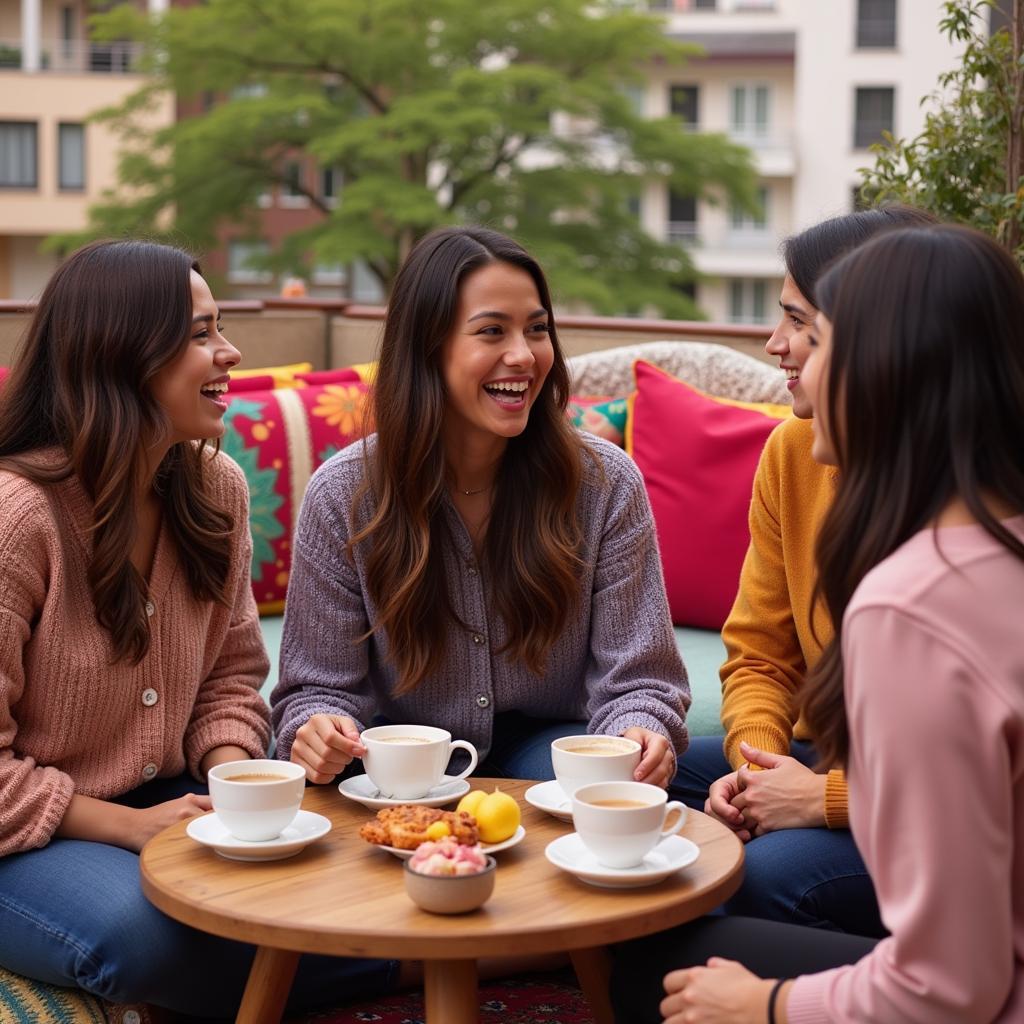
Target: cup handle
671	806
465	745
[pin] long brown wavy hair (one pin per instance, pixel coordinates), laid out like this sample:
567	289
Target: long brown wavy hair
533	534
112	316
928	360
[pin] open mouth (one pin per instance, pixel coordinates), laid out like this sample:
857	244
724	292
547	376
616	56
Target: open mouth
510	394
214	392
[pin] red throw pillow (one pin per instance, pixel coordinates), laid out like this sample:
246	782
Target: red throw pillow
264	382
349	374
698	455
3	372
279	437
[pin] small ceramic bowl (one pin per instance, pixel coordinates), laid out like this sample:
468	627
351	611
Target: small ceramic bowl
450	894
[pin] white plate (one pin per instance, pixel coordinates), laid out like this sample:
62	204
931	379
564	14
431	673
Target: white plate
550	798
305	829
513	840
363	791
668	857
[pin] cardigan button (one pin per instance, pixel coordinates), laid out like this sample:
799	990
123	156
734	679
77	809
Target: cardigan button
478	639
149	771
131	1017
150	608
483	701
150	697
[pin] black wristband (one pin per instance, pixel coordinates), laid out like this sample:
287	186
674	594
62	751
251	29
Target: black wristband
772	997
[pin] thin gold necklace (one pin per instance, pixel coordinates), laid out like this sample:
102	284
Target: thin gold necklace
479	490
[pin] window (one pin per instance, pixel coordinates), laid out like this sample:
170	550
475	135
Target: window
242	257
684	103
292	194
748	301
67	32
329	274
682	217
18	155
330	185
873	115
749	111
71	157
742	221
876	24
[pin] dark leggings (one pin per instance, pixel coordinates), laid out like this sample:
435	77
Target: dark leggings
771	949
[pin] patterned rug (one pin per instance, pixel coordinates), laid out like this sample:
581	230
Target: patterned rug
541	999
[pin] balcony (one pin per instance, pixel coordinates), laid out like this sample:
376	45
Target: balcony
720	249
75	57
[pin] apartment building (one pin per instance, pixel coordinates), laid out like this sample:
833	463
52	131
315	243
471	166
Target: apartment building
53	161
808	85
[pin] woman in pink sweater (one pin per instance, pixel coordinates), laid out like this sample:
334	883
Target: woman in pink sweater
917	384
130	652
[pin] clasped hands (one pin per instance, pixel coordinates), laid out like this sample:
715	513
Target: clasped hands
325	744
771	792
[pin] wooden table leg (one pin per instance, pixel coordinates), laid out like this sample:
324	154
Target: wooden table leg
266	991
593	968
450	990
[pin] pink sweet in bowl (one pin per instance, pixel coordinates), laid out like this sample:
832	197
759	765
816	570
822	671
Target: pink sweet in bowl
446	877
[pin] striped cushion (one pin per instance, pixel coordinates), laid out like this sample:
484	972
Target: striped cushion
23	1001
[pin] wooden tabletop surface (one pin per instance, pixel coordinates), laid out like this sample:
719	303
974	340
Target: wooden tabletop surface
344	897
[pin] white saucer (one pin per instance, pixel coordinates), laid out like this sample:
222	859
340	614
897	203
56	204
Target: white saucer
668	857
305	829
513	840
550	798
363	791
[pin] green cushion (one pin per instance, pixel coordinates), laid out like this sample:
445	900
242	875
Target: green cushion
702	650
31	1002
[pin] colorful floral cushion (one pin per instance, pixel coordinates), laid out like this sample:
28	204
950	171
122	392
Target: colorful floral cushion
282	376
698	455
600	415
279	438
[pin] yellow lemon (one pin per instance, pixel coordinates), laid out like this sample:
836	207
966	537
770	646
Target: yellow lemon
471	801
438	830
497	817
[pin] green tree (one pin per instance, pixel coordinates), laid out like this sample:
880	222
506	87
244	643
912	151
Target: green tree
968	162
512	113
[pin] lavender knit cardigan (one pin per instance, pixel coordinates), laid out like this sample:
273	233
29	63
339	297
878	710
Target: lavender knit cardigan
615	665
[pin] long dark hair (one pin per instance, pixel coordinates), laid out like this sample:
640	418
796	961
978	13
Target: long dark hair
808	254
113	315
533	534
928	363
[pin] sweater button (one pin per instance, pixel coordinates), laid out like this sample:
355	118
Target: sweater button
149	771
478	639
131	1017
483	701
150	697
150	608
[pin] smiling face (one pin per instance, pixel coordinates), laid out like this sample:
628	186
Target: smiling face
191	389
789	341
497	355
815	384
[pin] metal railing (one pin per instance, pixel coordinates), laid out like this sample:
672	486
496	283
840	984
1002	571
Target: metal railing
74	56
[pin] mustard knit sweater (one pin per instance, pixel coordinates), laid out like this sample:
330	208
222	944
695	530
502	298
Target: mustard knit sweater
770	644
71	720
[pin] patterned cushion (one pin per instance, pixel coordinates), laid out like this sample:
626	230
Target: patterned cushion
698	455
279	438
282	376
600	415
31	1002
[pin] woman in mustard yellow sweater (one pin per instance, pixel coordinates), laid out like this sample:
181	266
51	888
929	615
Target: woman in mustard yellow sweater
802	864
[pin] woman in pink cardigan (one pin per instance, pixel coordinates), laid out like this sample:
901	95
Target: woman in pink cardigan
130	652
917	384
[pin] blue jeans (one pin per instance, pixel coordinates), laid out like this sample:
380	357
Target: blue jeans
72	913
807	876
521	746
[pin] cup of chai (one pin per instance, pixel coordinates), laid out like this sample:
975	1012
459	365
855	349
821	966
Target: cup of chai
621	822
580	760
405	762
256	800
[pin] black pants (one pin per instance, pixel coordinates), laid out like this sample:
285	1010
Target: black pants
771	949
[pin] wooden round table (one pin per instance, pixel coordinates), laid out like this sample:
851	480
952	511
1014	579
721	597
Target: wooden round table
343	897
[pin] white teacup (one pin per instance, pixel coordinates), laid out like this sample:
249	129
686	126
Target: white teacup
580	760
621	822
405	762
256	800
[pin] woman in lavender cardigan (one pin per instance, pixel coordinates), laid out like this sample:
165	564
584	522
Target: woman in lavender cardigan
477	564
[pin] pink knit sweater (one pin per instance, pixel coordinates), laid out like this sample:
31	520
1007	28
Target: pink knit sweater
933	647
71	721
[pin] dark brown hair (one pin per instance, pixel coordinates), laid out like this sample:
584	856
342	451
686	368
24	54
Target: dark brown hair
928	360
112	316
533	533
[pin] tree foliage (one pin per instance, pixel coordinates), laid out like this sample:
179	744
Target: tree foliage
512	113
967	163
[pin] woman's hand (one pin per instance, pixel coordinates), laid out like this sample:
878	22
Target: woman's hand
724	992
657	761
325	745
719	805
222	755
102	821
786	794
147	821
